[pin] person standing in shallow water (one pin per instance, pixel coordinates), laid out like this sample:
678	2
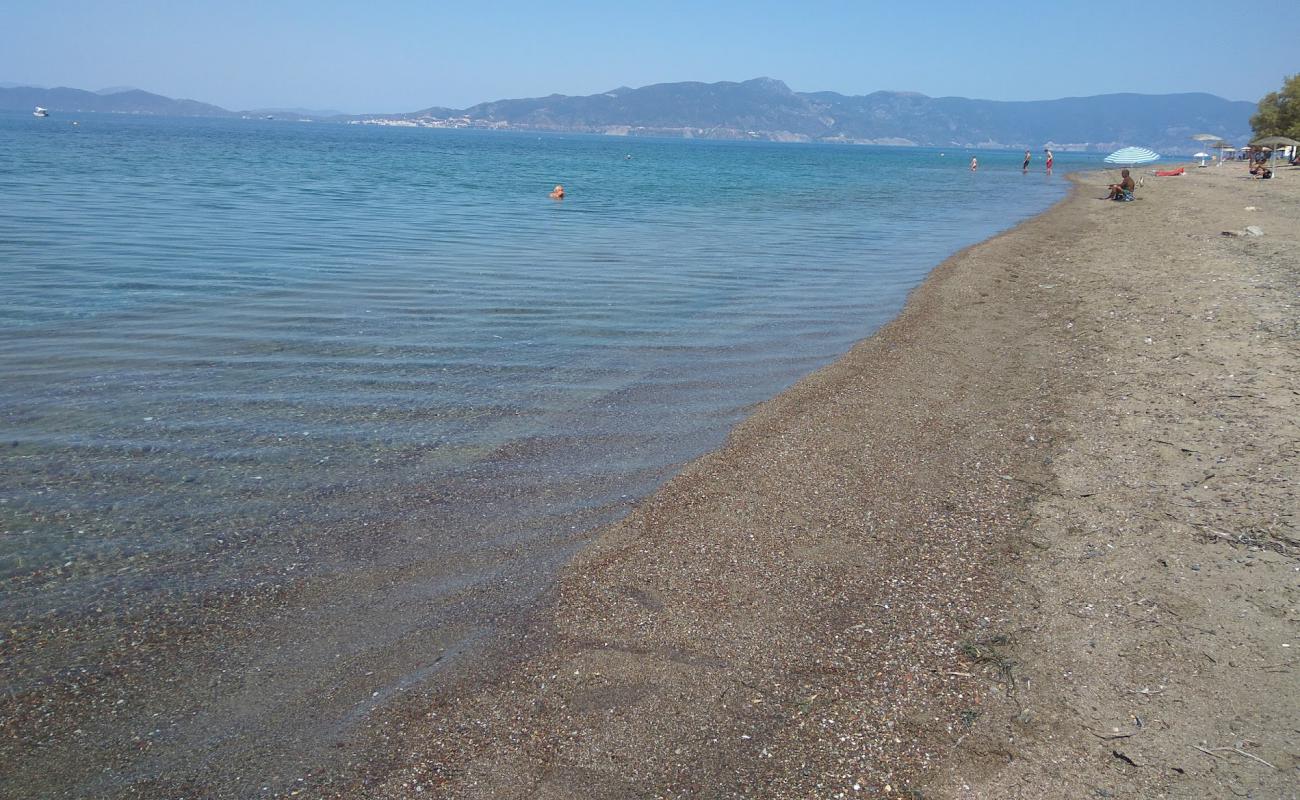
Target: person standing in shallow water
974	164
1025	166
1049	160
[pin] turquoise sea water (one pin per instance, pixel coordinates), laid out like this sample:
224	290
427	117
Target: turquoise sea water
239	355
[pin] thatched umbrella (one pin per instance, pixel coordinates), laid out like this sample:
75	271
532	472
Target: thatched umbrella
1222	147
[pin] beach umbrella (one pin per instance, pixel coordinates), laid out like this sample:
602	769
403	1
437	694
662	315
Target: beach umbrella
1132	156
1222	147
1275	142
1202	157
1206	137
1129	156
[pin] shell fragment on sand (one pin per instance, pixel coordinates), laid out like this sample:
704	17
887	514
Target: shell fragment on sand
1251	230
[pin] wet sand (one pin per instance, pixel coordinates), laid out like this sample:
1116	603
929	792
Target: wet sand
871	590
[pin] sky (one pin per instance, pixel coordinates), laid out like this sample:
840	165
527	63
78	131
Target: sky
405	55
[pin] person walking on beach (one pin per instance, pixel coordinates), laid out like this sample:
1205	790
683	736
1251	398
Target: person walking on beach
1049	160
974	164
1025	166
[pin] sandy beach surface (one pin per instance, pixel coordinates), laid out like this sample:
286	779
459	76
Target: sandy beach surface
1152	621
1036	538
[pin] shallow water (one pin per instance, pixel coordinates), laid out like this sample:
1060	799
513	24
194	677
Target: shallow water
243	356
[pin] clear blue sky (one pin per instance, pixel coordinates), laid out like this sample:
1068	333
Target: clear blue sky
403	55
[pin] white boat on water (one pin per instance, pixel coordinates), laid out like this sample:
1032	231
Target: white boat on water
41	112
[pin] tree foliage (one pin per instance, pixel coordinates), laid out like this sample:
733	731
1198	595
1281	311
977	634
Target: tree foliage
1279	112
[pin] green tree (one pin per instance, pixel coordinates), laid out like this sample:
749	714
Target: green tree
1279	112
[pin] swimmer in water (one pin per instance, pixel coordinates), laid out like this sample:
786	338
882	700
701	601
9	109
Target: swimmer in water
558	192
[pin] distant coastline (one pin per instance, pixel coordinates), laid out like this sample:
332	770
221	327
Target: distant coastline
761	109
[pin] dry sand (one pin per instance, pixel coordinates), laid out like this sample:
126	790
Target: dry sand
1154	616
1036	538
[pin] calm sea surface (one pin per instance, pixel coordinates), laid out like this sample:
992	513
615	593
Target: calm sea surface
379	368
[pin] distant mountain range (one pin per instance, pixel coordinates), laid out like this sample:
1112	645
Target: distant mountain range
127	101
767	109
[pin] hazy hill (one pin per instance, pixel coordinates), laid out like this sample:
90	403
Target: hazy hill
764	108
768	109
130	101
126	100
1163	122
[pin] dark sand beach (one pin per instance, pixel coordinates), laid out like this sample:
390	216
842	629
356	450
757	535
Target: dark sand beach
1035	538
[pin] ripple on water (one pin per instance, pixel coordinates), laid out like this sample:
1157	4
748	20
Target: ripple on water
235	349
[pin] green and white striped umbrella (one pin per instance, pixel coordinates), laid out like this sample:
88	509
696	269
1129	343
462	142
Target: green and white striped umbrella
1132	155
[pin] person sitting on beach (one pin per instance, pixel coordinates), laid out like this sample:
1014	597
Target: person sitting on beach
557	193
1260	170
1124	189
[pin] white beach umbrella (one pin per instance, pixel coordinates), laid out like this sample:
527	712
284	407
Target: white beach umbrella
1128	156
1202	157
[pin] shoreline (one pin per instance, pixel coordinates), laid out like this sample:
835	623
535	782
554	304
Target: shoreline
729	631
826	605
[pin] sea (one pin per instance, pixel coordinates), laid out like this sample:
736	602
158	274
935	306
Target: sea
322	408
